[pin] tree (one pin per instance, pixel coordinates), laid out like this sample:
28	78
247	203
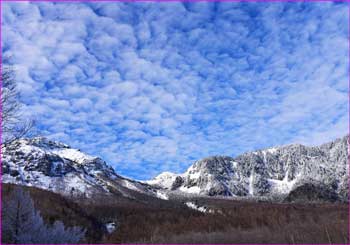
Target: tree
13	126
59	234
22	224
20	220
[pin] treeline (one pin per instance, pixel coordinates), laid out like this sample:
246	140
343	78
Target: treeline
22	223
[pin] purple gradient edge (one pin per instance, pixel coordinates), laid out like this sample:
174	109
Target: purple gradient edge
0	121
76	1
348	122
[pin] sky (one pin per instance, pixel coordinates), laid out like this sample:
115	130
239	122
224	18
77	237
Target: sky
153	87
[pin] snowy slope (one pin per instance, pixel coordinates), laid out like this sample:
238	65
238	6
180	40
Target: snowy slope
54	166
273	172
165	180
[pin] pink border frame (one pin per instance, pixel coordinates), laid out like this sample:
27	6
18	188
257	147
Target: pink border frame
76	1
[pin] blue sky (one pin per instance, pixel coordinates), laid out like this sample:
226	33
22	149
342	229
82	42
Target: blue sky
152	87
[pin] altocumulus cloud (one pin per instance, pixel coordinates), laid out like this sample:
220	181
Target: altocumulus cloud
153	86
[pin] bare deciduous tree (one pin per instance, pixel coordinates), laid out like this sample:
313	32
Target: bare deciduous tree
13	126
22	224
20	219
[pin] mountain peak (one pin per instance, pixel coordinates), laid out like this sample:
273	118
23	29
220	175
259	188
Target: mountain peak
274	171
164	180
44	142
52	165
57	167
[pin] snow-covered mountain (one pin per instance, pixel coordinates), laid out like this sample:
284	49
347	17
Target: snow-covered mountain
292	170
274	172
54	166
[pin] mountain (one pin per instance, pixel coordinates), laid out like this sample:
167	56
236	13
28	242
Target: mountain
291	172
54	166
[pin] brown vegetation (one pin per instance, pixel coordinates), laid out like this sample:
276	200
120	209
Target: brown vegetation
232	221
241	223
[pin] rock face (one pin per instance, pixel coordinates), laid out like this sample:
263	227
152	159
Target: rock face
54	166
311	192
268	173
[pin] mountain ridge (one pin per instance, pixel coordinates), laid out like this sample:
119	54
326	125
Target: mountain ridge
268	173
54	166
271	172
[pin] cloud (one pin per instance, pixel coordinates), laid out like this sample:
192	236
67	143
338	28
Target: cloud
153	87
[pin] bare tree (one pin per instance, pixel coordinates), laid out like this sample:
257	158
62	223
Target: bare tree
22	224
13	126
20	220
59	234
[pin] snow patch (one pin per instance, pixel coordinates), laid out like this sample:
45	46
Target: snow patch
111	227
264	155
129	185
251	184
195	175
27	149
198	208
234	164
282	186
76	183
272	150
164	180
191	190
162	195
72	154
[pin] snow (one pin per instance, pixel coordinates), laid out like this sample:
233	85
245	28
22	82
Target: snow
21	173
56	184
251	184
264	155
282	186
129	185
76	182
272	150
234	164
192	173
191	190
110	227
27	149
164	180
195	175
198	208
88	178
59	149
162	195
77	179
72	154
